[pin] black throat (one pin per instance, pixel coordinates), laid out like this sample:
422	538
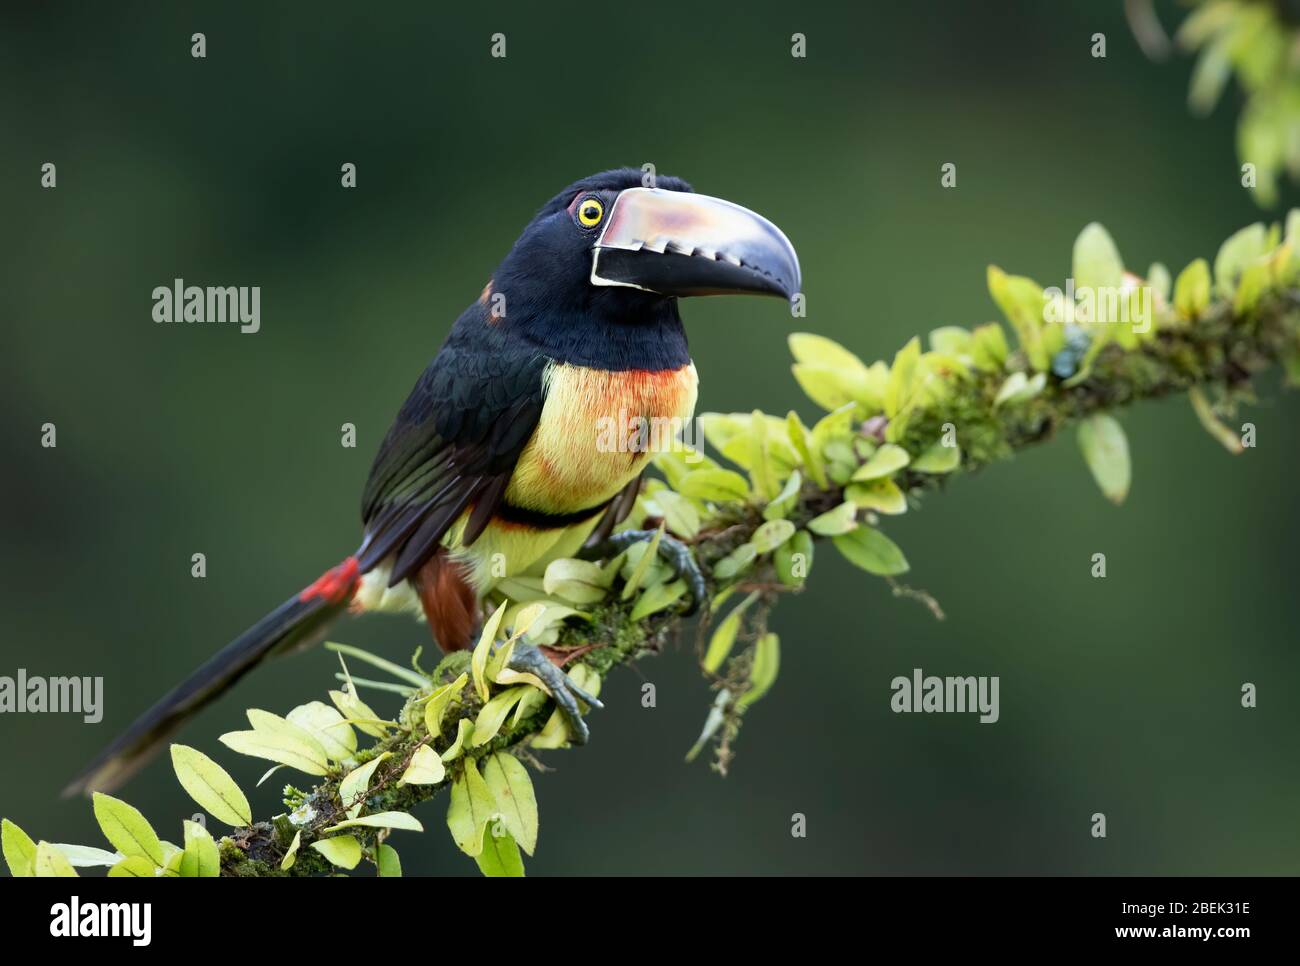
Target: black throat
611	334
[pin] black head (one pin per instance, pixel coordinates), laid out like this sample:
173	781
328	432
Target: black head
608	254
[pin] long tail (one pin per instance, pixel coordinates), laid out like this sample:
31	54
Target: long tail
297	622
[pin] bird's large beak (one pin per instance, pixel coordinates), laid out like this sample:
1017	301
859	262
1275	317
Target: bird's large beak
678	243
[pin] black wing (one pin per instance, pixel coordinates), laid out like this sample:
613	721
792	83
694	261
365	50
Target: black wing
453	445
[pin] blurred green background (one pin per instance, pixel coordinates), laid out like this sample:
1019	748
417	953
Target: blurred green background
1119	695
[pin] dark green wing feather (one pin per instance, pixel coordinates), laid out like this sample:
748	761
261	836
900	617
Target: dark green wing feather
454	445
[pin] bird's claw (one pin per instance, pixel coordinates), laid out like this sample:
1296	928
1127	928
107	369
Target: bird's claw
530	660
676	554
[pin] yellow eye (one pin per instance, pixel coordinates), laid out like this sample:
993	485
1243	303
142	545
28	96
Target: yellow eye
590	212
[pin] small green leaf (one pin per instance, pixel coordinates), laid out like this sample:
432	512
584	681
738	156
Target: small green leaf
883	496
470	809
724	637
464	730
341	850
512	790
134	867
87	855
950	340
171	869
818	350
1021	301
493	715
720	428
356	711
438	702
1020	388
1252	285
830	387
387	862
831	427
760	465
577	581
426	768
809	455
657	598
938	459
989	347
785	501
19	850
735	562
483	650
871	550
352	789
720	644
1192	289
201	859
679	513
886	461
50	863
522	589
901	384
267	774
291	856
1212	424
793	559
762	673
500	856
211	786
280	748
327	726
1210	74
771	535
1097	264
545	629
1105	449
533	699
395	820
1235	254
498	664
649	556
126	829
842	519
715	485
273	724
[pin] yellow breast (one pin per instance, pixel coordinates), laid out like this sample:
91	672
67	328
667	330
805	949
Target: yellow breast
597	431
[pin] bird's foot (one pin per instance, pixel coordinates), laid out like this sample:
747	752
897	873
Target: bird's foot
676	554
530	660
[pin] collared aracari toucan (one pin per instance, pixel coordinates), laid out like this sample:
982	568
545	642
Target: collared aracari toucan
496	456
